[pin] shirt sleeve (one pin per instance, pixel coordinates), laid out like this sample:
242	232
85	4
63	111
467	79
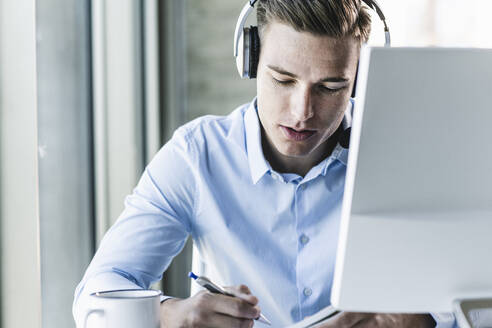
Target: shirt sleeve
444	320
152	229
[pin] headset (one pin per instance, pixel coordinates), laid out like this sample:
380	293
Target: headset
247	50
247	40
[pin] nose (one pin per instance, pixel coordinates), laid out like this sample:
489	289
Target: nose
302	109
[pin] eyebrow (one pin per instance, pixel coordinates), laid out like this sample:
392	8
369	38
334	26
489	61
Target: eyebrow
326	79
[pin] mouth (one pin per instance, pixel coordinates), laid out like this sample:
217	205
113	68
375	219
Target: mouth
297	135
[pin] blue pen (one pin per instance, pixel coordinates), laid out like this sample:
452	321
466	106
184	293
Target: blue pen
214	288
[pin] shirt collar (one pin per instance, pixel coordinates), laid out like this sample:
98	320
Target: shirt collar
339	152
258	164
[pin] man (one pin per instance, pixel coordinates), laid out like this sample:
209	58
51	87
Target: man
260	190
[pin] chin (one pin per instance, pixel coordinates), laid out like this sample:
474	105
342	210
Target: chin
290	151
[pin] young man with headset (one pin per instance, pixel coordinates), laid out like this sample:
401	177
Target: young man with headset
260	190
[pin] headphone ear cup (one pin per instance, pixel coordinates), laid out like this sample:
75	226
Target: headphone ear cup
254	51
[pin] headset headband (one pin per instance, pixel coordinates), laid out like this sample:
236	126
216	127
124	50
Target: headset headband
248	7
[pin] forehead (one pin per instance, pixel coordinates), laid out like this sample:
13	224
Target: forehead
304	53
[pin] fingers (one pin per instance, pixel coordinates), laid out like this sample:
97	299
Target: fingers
235	307
379	320
201	315
346	320
244	289
222	320
243	292
217	310
225	305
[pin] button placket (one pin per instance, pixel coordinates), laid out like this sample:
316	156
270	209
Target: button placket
304	239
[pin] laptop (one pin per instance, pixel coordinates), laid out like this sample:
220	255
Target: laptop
416	226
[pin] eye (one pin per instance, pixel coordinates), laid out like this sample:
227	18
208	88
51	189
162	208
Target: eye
325	89
283	82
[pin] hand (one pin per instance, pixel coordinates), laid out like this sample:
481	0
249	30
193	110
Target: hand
380	320
211	310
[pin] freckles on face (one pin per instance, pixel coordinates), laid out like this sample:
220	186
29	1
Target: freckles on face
303	87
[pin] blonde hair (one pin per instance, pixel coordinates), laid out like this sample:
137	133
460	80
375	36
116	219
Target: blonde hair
333	18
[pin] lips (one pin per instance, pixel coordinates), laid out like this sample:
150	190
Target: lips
297	135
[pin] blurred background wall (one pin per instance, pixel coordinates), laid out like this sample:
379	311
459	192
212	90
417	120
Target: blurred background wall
91	89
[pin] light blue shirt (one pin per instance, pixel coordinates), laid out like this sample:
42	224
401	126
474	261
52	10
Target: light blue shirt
276	233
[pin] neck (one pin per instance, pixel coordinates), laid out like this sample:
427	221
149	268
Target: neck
293	164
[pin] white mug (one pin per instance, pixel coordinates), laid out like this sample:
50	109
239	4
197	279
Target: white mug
135	308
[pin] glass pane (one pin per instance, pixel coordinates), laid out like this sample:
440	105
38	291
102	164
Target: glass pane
214	86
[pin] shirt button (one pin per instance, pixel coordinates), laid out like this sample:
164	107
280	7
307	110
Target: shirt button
304	239
302	187
308	291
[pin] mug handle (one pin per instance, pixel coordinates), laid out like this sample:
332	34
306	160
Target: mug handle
89	312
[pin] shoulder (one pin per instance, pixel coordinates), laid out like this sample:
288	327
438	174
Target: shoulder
210	130
202	136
